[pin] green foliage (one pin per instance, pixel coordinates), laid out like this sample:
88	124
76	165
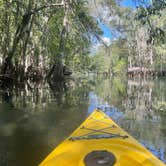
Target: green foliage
160	106
82	28
113	60
144	31
100	61
40	31
146	14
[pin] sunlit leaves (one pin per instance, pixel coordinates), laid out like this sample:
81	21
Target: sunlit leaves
145	16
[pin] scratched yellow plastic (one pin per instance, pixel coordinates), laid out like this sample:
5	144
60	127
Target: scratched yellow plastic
128	152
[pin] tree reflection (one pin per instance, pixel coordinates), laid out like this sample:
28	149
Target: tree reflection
34	118
142	121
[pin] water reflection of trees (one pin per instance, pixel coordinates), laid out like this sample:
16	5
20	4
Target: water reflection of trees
136	99
32	114
36	117
141	120
141	98
36	96
112	90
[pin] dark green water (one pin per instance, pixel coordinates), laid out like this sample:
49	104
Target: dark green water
36	118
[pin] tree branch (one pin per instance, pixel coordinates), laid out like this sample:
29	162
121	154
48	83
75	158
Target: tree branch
47	6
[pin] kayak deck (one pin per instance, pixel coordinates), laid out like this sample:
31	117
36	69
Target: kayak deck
98	133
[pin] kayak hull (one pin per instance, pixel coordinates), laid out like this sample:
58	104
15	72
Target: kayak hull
99	133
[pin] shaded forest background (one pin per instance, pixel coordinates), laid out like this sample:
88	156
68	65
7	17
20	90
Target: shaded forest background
46	39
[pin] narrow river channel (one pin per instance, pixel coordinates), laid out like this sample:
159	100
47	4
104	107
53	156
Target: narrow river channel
36	118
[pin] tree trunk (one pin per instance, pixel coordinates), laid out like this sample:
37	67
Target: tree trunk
7	66
24	50
56	72
6	42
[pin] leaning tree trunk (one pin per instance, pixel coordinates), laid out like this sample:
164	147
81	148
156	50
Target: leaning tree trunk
7	67
24	50
20	33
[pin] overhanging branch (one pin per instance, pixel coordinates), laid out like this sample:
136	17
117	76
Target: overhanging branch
47	6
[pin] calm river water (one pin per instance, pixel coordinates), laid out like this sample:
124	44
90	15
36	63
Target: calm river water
36	118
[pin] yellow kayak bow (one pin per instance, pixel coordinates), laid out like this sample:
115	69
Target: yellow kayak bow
99	141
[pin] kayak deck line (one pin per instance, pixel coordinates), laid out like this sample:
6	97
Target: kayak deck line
99	141
97	136
102	134
92	135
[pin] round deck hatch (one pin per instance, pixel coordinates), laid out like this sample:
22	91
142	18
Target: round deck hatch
99	158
